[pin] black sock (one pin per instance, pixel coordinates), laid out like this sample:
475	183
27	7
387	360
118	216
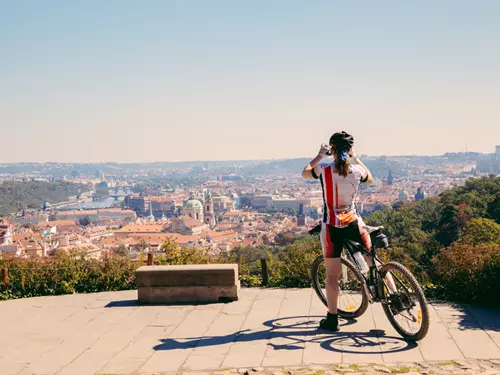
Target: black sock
334	317
330	323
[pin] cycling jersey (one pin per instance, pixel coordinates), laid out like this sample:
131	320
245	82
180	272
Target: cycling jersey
339	193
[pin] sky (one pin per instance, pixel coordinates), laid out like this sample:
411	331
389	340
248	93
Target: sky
164	80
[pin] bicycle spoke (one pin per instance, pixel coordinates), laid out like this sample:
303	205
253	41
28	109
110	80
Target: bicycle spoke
411	318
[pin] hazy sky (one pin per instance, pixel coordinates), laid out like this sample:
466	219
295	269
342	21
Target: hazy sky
102	80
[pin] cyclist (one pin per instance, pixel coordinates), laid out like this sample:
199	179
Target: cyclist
340	182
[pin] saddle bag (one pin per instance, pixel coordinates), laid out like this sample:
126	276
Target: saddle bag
379	240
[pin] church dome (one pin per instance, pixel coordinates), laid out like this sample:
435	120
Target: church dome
193	203
403	194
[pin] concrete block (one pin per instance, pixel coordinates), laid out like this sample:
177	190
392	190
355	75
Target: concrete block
188	275
188	294
188	284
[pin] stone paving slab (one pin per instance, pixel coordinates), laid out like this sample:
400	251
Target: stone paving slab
273	331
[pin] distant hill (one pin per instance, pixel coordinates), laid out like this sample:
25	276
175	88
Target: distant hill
117	169
379	167
32	194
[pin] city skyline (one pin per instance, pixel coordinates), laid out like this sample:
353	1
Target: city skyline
192	81
195	161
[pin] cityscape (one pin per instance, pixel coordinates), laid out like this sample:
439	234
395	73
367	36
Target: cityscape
193	187
132	209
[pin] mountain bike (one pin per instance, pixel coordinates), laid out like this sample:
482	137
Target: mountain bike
390	284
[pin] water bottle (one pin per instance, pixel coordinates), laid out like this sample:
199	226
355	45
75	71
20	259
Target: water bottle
361	262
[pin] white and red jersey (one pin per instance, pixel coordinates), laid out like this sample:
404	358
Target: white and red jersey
339	193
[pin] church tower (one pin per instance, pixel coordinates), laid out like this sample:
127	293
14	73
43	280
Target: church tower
390	179
301	217
151	217
208	209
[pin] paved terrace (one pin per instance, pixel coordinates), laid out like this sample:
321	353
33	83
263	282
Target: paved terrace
108	333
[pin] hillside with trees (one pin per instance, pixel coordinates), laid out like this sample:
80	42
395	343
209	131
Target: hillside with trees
32	194
451	243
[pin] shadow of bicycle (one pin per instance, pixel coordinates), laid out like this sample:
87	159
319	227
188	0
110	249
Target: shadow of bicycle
294	333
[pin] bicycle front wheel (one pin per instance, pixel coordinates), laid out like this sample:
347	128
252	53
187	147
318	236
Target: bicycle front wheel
406	307
353	300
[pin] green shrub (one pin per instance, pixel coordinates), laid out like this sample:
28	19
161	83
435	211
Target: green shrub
292	268
65	274
467	273
173	254
250	281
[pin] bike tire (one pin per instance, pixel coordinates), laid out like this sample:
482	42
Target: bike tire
419	294
317	287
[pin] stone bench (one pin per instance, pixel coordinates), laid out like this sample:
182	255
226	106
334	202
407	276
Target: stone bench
188	284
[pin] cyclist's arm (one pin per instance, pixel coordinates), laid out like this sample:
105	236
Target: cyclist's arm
308	170
368	177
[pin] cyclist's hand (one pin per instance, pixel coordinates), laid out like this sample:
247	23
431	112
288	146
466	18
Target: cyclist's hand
324	150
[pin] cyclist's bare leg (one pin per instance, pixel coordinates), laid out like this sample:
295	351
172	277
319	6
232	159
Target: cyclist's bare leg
332	283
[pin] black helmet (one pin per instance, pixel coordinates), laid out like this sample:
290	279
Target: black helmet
341	141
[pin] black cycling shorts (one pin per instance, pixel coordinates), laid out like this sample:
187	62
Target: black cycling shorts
333	238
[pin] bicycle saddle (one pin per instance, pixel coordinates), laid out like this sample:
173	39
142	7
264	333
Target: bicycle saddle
315	230
371	229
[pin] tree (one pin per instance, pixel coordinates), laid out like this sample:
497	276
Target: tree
84	221
295	265
122	250
397	205
469	273
142	245
428	212
494	208
266	240
450	225
177	255
284	239
481	231
249	253
476	193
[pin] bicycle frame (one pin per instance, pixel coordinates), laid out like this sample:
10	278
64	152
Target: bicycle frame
370	282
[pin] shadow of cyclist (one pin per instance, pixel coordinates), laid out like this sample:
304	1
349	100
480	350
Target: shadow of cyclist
299	330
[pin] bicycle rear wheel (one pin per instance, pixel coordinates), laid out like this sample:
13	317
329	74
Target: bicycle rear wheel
353	300
407	308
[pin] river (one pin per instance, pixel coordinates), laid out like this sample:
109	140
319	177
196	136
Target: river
88	204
